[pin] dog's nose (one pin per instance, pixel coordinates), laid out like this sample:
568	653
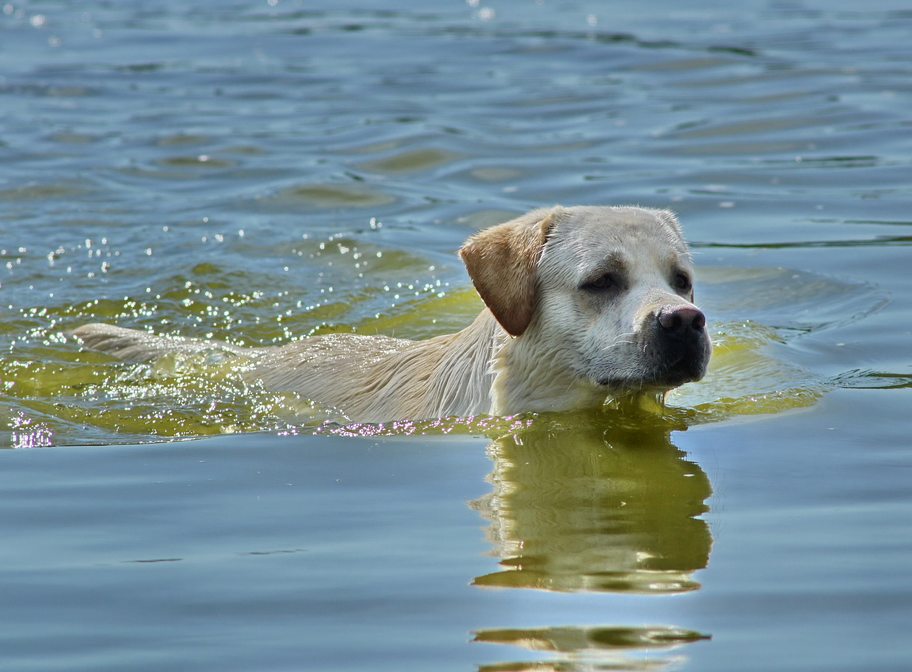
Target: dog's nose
681	321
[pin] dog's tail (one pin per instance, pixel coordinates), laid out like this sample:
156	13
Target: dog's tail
141	346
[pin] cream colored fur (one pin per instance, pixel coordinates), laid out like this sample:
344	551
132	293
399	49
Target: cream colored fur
543	343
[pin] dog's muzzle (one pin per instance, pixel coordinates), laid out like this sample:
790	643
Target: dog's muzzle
682	344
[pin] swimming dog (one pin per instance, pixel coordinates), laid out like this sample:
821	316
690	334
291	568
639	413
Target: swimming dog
582	304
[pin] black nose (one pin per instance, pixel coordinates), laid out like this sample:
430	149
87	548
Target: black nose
681	321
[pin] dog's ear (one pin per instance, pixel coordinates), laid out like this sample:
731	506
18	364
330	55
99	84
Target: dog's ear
502	262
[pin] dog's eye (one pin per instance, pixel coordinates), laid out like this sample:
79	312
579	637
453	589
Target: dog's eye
682	282
601	283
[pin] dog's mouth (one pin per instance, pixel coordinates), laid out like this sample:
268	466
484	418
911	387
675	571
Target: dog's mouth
676	368
657	383
683	369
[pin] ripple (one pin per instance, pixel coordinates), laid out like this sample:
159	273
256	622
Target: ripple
44	191
582	649
411	161
197	161
752	370
71	138
495	174
182	140
572	640
866	379
789	300
325	196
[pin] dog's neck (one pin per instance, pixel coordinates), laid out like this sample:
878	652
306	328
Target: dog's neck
482	369
460	382
528	377
479	370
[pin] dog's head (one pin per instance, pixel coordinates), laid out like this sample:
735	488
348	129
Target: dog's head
606	292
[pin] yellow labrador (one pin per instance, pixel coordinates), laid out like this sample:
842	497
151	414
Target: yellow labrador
583	304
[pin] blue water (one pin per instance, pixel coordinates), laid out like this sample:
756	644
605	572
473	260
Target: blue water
260	171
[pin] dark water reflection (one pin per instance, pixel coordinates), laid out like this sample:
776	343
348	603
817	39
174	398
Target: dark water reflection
582	505
595	503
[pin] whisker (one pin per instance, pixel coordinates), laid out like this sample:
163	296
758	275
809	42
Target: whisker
622	339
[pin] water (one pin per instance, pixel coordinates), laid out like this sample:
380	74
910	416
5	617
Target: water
258	172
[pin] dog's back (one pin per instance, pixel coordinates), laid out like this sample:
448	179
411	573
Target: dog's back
366	378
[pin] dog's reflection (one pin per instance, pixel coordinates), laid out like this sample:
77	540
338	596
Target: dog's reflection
596	502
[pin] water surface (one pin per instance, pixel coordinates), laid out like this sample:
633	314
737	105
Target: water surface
262	171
